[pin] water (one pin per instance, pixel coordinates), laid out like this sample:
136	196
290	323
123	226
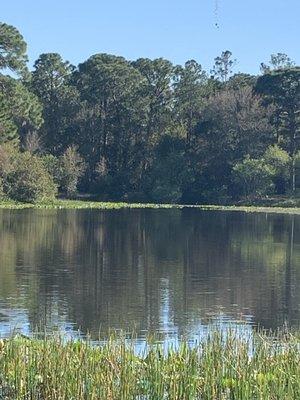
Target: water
170	272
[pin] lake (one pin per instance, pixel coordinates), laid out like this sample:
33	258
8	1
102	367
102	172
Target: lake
167	271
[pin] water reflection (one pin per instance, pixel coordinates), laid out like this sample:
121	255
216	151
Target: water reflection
168	271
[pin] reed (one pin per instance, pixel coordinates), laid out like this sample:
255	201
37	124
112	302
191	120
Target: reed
220	367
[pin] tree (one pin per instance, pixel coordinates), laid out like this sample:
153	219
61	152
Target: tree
32	143
51	83
113	123
52	165
158	74
21	111
29	181
282	88
71	169
233	124
223	66
2	194
146	129
253	177
237	81
168	174
12	49
280	162
191	88
24	176
157	92
297	170
8	130
277	61
8	159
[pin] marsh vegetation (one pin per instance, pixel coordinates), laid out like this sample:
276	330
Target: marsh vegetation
220	367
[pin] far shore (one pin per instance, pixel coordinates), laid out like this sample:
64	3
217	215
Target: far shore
285	207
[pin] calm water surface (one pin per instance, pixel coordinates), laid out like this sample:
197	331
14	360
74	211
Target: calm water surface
172	272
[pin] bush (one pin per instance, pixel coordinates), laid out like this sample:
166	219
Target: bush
254	177
29	181
280	161
8	159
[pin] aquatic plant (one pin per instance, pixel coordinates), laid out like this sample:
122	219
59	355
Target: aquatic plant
284	207
221	367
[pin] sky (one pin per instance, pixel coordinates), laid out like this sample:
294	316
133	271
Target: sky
173	29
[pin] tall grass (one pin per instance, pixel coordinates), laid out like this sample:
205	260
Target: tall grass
218	368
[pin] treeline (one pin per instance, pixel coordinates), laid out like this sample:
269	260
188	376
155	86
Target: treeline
146	130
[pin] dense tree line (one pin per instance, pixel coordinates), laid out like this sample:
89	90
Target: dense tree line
146	130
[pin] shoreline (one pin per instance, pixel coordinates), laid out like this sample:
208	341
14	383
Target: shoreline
98	205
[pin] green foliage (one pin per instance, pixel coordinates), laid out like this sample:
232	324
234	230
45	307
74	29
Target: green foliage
71	169
2	194
147	129
8	159
261	205
8	130
190	91
112	127
280	161
12	49
282	88
157	89
237	81
233	124
278	158
223	366
26	179
297	169
277	61
253	177
53	166
223	66
60	100
21	111
65	170
168	174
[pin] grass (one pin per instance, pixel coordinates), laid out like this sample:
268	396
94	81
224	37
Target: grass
286	207
217	369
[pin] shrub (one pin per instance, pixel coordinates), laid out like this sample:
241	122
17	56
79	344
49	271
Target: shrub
280	161
8	159
254	177
29	181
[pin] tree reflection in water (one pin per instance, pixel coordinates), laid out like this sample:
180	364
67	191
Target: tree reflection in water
172	272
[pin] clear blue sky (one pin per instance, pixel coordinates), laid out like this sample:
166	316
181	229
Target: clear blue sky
174	29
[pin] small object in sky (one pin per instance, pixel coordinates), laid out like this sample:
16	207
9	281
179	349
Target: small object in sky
216	12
